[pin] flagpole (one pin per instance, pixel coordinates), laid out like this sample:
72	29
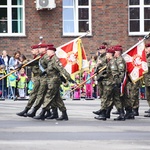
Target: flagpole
75	39
145	37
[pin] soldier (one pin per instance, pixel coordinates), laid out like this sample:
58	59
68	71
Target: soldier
101	62
126	102
147	79
133	89
111	87
54	72
36	80
43	81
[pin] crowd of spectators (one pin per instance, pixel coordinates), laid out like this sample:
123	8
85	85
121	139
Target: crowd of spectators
15	85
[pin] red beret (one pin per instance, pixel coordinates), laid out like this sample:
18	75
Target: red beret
110	50
51	48
117	48
34	47
43	45
50	45
147	45
101	47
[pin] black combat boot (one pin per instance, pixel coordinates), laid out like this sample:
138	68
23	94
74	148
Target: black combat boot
54	114
121	116
64	116
41	116
32	113
147	111
98	112
48	113
102	116
136	111
23	113
129	114
108	111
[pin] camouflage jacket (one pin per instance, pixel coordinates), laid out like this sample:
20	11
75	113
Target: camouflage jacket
103	61
35	67
121	67
112	74
43	62
55	68
101	64
147	75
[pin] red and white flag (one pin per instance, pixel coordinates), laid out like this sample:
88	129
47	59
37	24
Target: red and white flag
136	61
72	56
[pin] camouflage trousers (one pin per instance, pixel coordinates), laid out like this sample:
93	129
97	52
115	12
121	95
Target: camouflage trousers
52	97
33	94
41	92
100	89
148	94
124	99
133	91
111	95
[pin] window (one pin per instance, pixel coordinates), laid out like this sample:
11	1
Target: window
12	20
76	17
139	17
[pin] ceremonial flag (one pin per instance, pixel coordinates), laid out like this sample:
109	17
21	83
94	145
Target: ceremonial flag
136	61
72	56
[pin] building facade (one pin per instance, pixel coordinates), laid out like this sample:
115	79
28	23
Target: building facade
22	22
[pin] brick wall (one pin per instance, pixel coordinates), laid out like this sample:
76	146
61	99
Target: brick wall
109	24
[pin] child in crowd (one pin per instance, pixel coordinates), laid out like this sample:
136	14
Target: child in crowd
11	84
22	83
89	84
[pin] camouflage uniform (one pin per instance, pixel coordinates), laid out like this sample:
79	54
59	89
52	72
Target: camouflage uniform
111	89
36	81
43	85
54	71
147	84
133	90
43	82
33	95
103	63
103	60
126	101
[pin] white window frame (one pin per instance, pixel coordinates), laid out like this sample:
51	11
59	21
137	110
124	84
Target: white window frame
9	19
76	6
141	8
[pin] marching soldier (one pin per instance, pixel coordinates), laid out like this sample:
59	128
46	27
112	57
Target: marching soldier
111	87
147	79
43	61
124	98
54	72
36	80
133	89
101	62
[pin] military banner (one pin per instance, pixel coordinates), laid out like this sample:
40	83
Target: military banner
72	56
136	61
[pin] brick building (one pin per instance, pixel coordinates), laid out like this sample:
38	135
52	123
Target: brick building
115	22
